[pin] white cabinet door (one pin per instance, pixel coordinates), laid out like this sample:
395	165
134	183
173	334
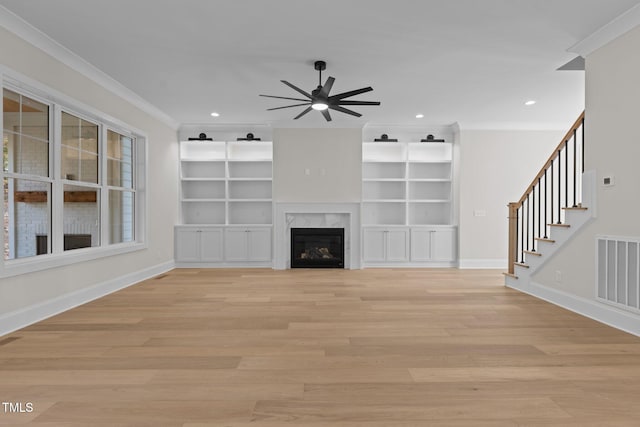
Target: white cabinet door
236	244
374	248
443	245
397	245
211	245
187	245
420	244
198	244
259	244
247	244
433	244
382	244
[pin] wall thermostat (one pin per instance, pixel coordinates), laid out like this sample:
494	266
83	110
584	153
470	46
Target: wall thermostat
608	181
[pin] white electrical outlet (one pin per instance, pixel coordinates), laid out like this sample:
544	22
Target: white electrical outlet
558	276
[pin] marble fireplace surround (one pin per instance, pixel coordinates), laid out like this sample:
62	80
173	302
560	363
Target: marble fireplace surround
316	215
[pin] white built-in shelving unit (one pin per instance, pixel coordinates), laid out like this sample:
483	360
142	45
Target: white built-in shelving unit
226	202
407	202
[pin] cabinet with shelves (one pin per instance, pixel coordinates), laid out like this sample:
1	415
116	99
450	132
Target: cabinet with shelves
407	184
198	244
226	184
247	244
382	245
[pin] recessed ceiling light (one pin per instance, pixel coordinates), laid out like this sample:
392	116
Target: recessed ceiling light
530	102
419	116
214	114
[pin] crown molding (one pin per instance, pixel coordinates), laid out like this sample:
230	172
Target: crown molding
21	28
607	33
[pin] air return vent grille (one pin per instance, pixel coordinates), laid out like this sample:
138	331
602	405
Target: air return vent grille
618	271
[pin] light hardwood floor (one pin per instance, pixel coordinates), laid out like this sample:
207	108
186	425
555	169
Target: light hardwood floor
375	347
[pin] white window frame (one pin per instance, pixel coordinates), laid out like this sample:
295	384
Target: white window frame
59	102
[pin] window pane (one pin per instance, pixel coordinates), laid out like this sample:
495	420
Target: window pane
119	160
27	218
88	167
25	144
121	216
11	111
79	149
81	217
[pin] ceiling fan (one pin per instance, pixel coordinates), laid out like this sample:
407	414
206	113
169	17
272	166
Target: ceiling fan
319	98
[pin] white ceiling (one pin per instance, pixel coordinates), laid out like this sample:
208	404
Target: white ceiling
469	61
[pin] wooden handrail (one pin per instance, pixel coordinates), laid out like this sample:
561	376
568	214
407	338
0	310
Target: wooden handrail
553	156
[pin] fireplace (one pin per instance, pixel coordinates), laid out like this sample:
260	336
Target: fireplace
317	248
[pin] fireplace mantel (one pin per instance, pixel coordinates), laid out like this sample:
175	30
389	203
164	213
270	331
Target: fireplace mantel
344	215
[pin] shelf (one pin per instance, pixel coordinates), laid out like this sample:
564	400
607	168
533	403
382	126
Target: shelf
204	213
203	189
203	170
257	169
406	184
226	183
249	151
202	150
201	200
384	190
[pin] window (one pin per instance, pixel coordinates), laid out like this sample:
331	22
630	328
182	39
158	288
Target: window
70	181
80	172
120	153
26	181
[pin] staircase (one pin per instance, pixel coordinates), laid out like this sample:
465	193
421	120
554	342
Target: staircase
552	209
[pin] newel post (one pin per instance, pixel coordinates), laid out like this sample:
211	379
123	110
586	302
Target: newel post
513	235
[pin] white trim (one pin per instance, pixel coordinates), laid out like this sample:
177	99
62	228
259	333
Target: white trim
473	263
19	266
18	319
602	313
18	26
607	33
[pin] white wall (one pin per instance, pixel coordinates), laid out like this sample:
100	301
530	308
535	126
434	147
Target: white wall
495	167
28	290
333	158
612	147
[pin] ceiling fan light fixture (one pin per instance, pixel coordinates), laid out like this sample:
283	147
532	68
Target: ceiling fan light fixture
319	106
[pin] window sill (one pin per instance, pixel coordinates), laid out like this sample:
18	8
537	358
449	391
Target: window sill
45	262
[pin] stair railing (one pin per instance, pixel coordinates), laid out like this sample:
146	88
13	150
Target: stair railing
556	187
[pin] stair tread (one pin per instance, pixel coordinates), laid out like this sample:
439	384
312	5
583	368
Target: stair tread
513	276
543	239
533	253
559	225
575	208
521	264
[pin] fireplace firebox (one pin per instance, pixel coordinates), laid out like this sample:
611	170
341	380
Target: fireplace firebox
317	248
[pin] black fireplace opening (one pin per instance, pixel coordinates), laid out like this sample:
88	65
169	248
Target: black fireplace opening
317	248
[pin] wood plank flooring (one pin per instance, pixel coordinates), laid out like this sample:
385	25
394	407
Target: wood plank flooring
375	347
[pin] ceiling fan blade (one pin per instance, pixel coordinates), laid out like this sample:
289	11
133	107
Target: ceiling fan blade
303	113
327	87
287	106
344	110
297	89
326	115
350	93
284	97
358	103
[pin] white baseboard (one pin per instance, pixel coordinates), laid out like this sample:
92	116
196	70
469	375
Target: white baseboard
592	309
19	319
498	264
